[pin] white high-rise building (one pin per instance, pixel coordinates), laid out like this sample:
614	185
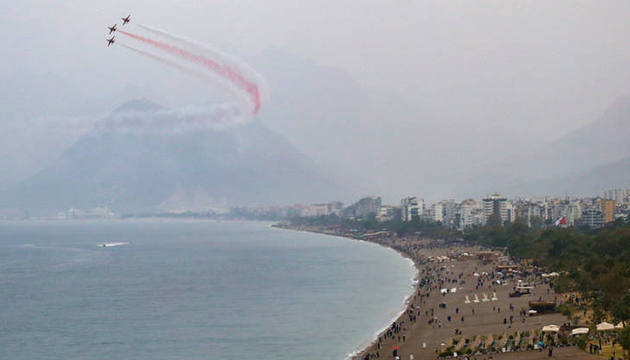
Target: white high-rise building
386	213
469	214
448	213
592	217
438	212
496	204
619	195
412	208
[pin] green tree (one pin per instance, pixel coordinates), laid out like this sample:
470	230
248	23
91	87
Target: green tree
495	220
624	341
621	310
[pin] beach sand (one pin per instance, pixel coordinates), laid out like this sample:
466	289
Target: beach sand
413	333
422	339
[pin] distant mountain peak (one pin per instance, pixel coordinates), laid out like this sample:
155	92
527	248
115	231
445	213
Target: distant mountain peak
573	163
145	158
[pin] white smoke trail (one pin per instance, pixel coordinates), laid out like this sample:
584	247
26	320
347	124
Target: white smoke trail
220	57
217	117
243	101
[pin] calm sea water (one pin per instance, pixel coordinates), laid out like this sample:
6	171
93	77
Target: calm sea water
191	290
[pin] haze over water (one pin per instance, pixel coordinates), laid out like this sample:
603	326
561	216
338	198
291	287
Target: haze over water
191	290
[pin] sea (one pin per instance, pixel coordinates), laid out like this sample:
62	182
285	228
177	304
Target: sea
191	289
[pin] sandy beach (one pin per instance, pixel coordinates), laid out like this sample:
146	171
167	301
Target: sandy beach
461	300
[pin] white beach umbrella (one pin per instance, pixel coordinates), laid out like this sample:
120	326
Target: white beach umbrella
605	327
476	274
579	331
551	328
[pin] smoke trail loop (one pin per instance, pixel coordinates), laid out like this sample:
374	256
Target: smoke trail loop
208	77
239	65
210	64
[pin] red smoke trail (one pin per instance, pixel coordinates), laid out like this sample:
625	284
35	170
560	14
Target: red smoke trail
227	72
223	83
215	54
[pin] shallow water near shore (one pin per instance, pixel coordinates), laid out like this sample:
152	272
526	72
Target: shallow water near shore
191	290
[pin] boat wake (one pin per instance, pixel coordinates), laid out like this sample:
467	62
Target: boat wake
113	244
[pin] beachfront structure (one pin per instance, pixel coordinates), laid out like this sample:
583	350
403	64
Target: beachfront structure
364	208
368	206
96	213
388	213
592	217
449	209
469	214
608	210
412	208
333	207
573	213
438	212
498	206
318	210
530	213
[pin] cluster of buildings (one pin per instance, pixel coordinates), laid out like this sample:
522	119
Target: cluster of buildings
96	213
493	209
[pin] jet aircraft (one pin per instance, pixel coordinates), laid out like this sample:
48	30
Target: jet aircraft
112	29
110	41
126	20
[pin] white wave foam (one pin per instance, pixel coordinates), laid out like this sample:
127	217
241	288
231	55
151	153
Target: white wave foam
364	345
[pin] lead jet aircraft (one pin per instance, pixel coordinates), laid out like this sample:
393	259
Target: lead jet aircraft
110	41
112	29
126	20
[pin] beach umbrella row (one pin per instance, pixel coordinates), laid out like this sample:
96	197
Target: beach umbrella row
604	326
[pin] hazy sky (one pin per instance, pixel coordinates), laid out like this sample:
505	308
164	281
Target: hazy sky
527	69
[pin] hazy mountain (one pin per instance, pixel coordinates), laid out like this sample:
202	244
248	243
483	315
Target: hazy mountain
370	137
572	163
144	157
375	140
592	182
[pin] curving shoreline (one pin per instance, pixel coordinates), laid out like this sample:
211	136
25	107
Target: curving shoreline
361	350
408	301
431	320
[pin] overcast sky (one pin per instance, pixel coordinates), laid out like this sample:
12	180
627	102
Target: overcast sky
517	68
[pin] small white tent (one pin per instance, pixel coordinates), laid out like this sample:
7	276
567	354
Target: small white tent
551	328
579	331
605	327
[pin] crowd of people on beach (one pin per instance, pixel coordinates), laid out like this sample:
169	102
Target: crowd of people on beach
445	268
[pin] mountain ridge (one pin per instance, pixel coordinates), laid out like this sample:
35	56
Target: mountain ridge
144	157
600	143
